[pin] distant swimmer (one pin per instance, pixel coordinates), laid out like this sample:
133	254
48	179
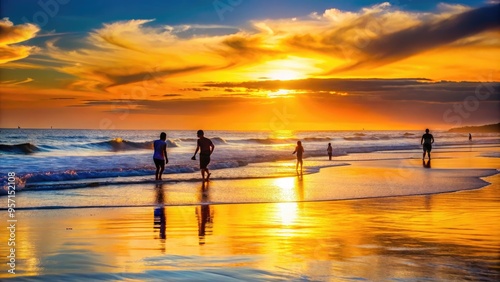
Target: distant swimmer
299	150
427	140
160	155
330	151
470	137
206	148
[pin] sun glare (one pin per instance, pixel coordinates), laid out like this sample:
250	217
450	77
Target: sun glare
287	69
279	93
284	75
287	212
282	134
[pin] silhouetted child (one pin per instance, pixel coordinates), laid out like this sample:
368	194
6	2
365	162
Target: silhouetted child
330	151
206	148
299	150
160	155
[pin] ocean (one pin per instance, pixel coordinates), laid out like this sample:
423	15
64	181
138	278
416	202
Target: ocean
87	207
69	158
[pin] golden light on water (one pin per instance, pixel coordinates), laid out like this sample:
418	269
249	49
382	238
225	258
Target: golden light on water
317	237
286	184
282	134
287	213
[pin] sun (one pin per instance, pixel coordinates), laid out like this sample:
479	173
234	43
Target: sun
291	68
284	75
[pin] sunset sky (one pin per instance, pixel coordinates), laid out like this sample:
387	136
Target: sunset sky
248	64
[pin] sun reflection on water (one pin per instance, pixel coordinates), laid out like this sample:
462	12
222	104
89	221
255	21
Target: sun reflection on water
287	213
282	134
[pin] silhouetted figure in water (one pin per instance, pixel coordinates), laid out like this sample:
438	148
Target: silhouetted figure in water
160	155
299	150
427	141
206	148
470	137
330	151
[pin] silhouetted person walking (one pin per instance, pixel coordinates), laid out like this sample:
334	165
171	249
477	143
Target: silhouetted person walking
330	151
299	150
206	148
426	141
160	155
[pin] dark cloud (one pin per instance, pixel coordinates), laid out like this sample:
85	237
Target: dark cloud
391	101
402	89
201	106
197	89
420	38
245	49
146	76
112	102
237	95
171	95
362	91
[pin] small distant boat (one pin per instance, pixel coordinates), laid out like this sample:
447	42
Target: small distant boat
18	127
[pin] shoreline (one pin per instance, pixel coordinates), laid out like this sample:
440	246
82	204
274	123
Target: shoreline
430	237
300	233
368	175
484	178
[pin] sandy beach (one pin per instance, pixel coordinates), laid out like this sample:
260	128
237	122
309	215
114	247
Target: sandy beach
114	113
276	229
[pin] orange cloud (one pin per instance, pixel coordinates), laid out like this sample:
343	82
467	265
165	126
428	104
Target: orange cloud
11	34
236	70
133	51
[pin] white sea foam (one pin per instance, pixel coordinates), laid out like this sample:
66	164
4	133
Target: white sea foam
86	158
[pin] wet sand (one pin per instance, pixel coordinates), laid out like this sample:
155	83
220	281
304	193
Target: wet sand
436	237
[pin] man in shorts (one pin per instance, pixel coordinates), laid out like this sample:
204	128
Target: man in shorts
206	148
427	140
160	155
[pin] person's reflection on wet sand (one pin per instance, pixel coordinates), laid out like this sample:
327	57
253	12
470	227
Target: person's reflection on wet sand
203	214
160	220
428	202
426	164
300	187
